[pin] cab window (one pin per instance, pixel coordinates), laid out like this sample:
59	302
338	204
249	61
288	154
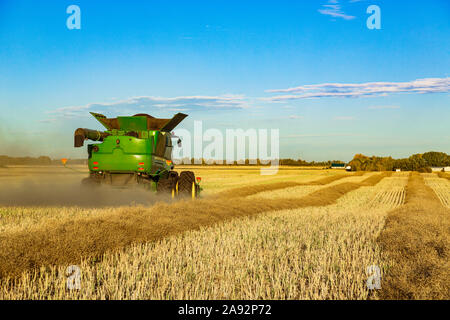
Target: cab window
168	151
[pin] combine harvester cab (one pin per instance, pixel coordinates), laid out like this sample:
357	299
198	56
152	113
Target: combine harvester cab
136	150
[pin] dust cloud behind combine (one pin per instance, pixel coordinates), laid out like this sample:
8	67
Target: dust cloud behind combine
67	190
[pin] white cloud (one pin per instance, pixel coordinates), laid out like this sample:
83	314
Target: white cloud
293	116
334	10
148	104
352	90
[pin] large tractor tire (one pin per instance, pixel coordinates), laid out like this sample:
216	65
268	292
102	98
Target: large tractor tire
186	184
167	185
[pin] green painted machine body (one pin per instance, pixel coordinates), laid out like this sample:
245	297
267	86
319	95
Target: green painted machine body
133	144
136	149
119	153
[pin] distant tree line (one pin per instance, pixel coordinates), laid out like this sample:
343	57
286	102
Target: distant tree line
258	162
42	160
37	161
417	162
304	163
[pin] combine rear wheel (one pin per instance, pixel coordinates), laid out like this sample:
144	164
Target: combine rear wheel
186	184
167	185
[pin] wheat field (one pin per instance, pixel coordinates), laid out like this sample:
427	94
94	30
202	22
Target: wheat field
301	234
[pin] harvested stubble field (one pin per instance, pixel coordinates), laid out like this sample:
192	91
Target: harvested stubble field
440	186
417	237
444	175
301	234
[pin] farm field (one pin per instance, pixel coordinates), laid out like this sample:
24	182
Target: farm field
299	234
440	186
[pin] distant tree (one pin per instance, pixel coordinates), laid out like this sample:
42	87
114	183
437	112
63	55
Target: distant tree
436	159
416	162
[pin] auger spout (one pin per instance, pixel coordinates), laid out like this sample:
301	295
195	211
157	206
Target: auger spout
82	134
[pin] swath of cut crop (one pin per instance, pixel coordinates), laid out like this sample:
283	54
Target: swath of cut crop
66	242
441	187
416	237
251	190
303	190
444	175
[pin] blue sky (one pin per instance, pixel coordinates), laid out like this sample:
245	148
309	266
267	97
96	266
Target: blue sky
232	64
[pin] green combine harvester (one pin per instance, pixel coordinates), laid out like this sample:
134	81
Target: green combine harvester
136	150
